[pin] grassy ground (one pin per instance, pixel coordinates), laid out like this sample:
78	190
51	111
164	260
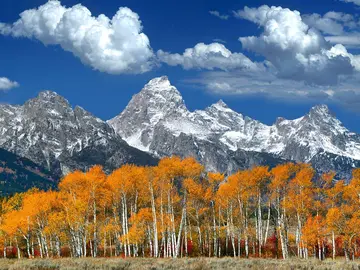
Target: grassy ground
178	264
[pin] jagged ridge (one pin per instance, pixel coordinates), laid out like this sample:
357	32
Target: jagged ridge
48	131
157	120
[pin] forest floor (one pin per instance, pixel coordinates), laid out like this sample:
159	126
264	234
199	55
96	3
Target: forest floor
178	264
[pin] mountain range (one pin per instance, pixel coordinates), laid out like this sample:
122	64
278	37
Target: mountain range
48	131
157	121
51	133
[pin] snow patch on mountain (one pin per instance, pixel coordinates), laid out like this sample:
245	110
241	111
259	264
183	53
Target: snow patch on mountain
48	131
159	106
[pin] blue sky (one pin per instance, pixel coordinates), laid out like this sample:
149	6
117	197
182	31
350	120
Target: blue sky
280	77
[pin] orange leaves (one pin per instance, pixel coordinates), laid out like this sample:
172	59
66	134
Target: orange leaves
97	185
73	183
126	179
248	185
169	167
356	174
328	178
281	175
140	222
352	191
174	167
300	195
335	220
34	208
215	178
143	217
313	231
334	195
39	203
353	226
191	168
84	185
241	185
258	175
224	195
161	207
304	176
13	203
208	194
14	222
194	189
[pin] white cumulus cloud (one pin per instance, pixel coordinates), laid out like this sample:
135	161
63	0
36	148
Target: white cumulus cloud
338	27
208	56
333	19
114	45
332	23
6	84
297	51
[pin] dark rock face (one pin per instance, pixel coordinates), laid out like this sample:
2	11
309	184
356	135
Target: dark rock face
18	174
325	162
48	131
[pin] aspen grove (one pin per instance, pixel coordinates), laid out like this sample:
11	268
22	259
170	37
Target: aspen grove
177	209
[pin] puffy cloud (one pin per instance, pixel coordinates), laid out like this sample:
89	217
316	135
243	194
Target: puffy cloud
297	51
115	45
347	19
208	56
325	25
217	14
332	23
340	50
339	27
6	84
300	63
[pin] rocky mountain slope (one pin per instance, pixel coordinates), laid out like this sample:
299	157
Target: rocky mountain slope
157	121
48	131
51	133
18	174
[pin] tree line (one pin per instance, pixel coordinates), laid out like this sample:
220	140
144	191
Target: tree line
177	209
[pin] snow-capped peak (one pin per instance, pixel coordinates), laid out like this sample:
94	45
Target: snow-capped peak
159	83
158	115
157	101
48	131
159	92
47	94
51	96
320	110
220	105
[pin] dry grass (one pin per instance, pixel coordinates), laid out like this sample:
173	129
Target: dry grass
178	264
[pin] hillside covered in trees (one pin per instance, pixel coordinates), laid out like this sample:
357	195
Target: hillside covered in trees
177	209
18	174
